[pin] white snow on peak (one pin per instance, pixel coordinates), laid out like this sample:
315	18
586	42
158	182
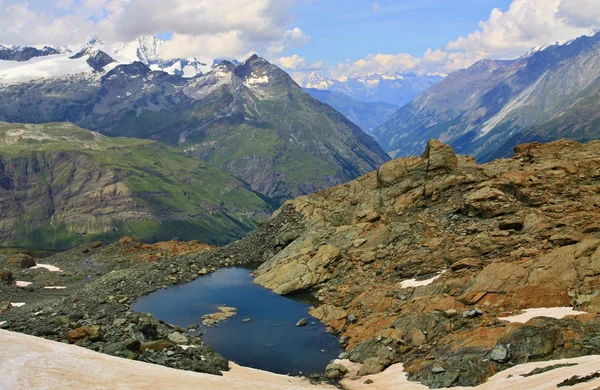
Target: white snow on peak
12	72
253	80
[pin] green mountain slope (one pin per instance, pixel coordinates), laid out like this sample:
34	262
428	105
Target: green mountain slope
251	120
61	185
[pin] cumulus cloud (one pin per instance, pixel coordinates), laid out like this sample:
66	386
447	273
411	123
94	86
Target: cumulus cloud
199	27
530	23
376	7
507	34
295	62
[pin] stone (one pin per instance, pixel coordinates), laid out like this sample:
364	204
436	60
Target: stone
246	320
451	313
470	314
467	263
437	369
499	354
335	371
372	217
417	337
6	277
129	345
371	366
359	242
439	156
223	314
510	223
367	257
159	345
351	319
119	322
178	338
302	322
76	336
22	261
564	239
62	320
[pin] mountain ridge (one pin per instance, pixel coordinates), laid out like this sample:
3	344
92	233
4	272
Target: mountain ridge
477	109
251	120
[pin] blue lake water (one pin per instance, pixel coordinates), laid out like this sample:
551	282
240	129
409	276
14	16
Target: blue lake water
270	341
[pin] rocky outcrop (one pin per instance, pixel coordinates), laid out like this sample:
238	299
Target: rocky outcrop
431	251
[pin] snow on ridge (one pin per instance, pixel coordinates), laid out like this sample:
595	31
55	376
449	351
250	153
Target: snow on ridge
12	72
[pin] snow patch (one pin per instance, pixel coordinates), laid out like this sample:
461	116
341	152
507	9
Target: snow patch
21	283
552	312
419	283
17	304
264	79
49	267
34	363
2	323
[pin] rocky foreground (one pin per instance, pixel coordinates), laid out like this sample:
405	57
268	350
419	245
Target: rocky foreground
419	261
422	262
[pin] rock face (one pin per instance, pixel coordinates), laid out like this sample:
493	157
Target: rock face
510	235
61	185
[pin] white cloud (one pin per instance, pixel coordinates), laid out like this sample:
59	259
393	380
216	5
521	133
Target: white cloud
200	27
581	13
527	24
504	35
376	7
295	62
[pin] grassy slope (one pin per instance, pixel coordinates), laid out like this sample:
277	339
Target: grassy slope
188	198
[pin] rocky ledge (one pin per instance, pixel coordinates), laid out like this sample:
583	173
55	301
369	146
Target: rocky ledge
421	261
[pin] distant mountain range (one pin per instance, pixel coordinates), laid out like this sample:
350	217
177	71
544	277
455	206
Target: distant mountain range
367	116
250	119
395	89
487	109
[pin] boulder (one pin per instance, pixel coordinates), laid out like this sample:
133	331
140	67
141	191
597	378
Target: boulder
371	366
76	336
178	338
6	277
335	371
297	273
439	156
302	322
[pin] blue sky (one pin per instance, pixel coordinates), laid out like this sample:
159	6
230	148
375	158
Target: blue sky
351	29
338	37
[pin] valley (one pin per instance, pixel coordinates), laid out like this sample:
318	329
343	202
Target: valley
299	194
391	256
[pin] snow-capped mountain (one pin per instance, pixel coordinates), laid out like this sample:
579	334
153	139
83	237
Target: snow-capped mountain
25	53
20	63
397	89
146	49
